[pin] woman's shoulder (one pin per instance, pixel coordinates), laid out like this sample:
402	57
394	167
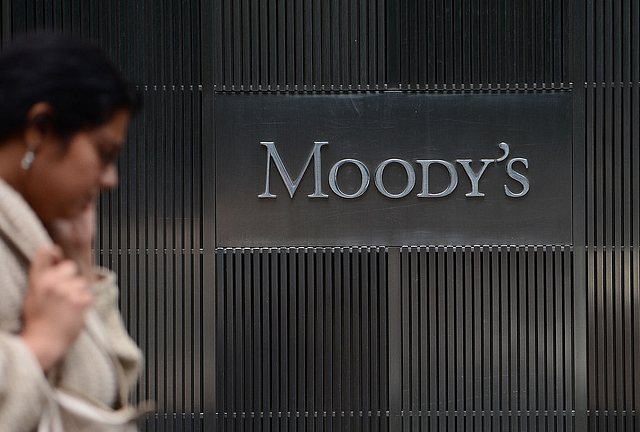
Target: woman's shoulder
20	233
13	286
20	228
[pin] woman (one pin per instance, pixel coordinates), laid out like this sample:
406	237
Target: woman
64	113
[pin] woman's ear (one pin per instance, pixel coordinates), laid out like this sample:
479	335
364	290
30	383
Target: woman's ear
38	124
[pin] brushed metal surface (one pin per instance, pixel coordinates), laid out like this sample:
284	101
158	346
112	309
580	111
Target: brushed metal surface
158	230
388	135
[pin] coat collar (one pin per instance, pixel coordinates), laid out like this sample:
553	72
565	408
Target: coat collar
19	225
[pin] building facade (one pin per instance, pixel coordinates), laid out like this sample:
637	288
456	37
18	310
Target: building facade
376	215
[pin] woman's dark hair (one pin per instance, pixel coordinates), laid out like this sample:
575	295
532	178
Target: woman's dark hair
80	83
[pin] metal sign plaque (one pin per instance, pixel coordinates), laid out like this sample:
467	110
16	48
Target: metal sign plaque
393	169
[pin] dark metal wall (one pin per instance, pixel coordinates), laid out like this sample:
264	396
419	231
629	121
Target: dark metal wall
480	44
306	339
309	45
415	338
392	44
501	337
473	337
612	212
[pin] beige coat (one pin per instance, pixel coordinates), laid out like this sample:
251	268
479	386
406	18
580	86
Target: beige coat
103	364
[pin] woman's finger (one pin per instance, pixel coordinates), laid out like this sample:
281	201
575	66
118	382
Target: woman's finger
45	257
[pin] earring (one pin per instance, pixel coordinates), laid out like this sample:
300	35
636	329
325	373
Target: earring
27	160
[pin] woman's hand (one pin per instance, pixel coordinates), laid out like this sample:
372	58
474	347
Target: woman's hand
75	237
54	305
59	293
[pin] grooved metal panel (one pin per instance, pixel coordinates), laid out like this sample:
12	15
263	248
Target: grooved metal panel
486	330
303	45
315	45
612	105
302	339
155	43
480	44
414	338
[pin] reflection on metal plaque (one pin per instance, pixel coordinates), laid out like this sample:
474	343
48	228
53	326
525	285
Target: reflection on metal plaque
393	169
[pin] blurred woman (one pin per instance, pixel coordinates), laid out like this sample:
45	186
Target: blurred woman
64	114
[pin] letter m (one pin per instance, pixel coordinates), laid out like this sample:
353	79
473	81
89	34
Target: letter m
272	154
